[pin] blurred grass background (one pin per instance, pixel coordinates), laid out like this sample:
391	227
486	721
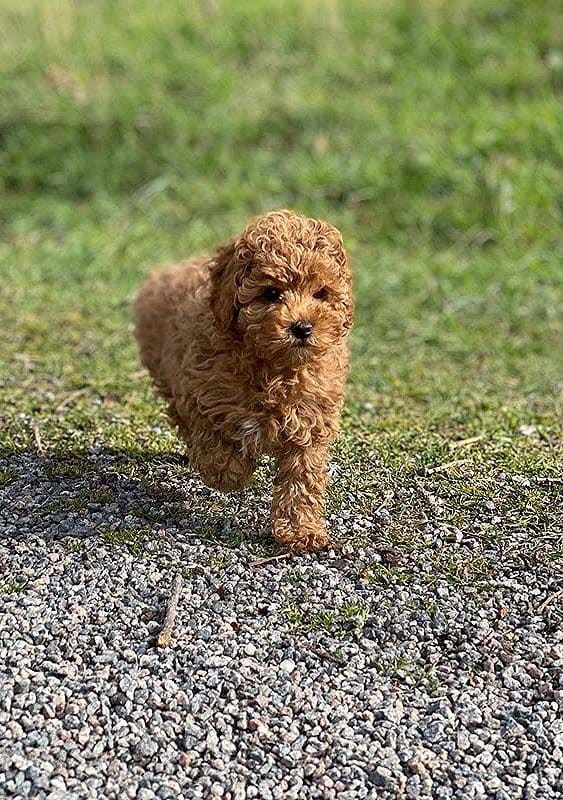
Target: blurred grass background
430	132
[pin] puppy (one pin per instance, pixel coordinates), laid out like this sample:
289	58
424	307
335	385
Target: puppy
250	349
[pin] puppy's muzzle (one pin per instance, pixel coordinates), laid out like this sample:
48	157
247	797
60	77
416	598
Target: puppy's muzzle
302	330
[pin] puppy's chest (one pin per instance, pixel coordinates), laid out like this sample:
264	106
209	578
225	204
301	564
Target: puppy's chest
281	420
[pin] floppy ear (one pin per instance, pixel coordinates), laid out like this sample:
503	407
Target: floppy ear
330	240
348	303
223	286
227	272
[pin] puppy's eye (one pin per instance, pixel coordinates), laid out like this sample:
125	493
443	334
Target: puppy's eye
322	294
272	294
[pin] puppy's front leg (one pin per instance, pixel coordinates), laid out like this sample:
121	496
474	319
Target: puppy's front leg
297	515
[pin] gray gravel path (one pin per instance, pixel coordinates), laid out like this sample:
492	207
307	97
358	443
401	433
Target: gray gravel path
297	678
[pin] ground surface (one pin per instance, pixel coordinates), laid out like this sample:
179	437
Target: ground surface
423	655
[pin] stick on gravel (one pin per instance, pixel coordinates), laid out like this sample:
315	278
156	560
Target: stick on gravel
165	634
260	561
70	398
549	600
38	441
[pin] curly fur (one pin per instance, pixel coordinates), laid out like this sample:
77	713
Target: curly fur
238	382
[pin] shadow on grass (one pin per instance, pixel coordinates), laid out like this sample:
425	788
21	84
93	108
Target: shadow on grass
122	497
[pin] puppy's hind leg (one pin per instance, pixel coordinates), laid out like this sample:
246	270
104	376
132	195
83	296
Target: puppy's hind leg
221	464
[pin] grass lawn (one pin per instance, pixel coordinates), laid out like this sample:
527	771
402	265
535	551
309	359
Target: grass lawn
430	132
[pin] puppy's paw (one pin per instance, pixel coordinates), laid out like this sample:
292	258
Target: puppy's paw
222	467
225	481
300	536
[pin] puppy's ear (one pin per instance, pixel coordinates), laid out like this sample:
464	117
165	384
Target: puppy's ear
227	272
348	304
331	241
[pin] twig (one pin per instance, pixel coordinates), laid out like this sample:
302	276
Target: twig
165	634
38	442
464	442
325	654
260	561
444	467
69	398
549	600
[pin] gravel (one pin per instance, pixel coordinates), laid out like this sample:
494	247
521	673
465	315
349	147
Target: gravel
295	678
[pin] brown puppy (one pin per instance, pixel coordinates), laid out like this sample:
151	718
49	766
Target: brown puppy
249	348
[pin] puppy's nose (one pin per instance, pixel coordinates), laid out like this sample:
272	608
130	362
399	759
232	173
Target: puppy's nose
301	329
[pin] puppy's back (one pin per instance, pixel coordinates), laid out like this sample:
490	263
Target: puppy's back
156	308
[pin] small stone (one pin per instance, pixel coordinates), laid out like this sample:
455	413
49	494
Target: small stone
145	747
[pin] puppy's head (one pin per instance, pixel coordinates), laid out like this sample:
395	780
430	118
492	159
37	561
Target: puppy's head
284	287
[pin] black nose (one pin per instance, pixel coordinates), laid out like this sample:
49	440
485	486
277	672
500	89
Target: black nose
301	330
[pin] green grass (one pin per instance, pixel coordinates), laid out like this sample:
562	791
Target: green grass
81	501
11	587
338	621
430	132
403	671
7	476
134	539
473	570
